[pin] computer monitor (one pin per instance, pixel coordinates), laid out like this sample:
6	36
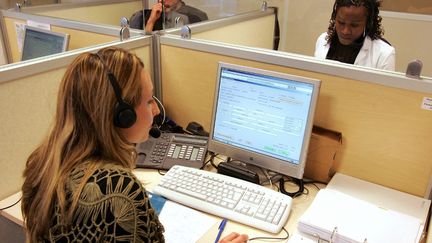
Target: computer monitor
264	118
40	42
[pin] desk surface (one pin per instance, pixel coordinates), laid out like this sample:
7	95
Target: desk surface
150	178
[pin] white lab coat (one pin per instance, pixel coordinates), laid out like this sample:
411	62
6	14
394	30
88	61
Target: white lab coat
374	53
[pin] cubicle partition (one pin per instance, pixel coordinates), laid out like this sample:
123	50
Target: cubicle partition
81	34
252	29
28	95
410	35
385	126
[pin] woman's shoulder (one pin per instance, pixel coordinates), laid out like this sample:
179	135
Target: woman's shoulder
115	175
383	46
103	168
108	180
114	168
322	38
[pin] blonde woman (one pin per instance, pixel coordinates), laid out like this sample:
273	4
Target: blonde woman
78	185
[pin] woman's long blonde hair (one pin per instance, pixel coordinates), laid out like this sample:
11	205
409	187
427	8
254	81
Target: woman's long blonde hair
83	132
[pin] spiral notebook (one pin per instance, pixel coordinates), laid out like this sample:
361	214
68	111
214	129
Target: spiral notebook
337	217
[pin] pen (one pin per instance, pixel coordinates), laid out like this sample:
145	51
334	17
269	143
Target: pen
221	229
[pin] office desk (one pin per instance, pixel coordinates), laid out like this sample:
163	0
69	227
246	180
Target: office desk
150	178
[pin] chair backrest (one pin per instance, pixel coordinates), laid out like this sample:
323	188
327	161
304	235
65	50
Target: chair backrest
136	20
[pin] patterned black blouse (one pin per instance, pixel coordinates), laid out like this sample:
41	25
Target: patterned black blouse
113	207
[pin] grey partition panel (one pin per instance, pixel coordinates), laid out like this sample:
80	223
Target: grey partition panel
28	94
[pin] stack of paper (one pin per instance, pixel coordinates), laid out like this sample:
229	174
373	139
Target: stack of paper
184	224
339	217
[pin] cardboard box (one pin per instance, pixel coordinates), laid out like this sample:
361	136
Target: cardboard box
321	159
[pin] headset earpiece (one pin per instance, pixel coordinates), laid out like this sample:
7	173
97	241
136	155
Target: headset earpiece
124	114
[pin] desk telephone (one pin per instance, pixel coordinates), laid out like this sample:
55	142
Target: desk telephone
172	149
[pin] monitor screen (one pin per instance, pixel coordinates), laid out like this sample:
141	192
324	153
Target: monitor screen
264	118
39	42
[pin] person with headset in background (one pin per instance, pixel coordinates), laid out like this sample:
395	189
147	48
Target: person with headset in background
173	9
355	35
79	184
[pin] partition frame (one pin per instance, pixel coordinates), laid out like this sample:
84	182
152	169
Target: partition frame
39	8
377	76
217	23
22	69
63	23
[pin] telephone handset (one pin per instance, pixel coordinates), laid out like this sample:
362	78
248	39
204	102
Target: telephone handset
172	149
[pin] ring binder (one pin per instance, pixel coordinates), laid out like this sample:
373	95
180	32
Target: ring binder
319	240
334	217
332	237
333	234
322	240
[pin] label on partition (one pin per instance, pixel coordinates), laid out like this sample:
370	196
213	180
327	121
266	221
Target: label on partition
427	103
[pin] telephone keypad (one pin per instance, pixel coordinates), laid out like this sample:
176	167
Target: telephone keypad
170	149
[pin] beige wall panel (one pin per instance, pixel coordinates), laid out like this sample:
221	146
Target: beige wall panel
103	14
78	38
28	106
240	33
306	21
408	6
409	42
386	134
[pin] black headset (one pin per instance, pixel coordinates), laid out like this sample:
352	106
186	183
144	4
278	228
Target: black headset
124	113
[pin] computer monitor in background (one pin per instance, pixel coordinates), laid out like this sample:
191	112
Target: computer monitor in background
39	42
263	118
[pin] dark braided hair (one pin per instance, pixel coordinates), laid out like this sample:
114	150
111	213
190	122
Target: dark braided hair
373	22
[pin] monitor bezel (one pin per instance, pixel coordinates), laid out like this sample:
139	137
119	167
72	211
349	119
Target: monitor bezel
64	36
261	160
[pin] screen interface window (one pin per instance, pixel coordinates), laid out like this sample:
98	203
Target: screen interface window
263	114
39	44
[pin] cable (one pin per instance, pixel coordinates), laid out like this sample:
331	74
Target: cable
299	182
15	203
212	161
162	172
266	174
315	183
306	191
212	156
272	238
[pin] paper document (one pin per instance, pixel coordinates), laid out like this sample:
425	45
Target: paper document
184	224
343	218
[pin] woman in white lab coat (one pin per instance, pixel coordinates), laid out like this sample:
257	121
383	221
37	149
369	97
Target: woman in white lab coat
355	36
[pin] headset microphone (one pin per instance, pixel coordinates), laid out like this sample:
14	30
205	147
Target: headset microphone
155	132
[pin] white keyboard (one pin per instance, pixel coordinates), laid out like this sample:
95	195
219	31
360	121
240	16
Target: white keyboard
227	197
